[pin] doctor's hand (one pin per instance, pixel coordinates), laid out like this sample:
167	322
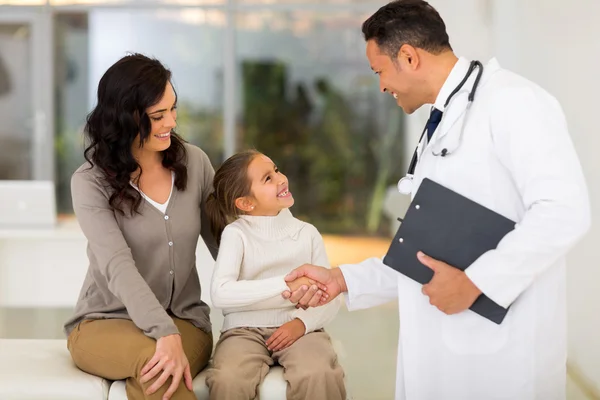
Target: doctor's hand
332	279
450	289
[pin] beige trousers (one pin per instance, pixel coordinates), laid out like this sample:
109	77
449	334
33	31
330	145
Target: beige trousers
117	349
241	361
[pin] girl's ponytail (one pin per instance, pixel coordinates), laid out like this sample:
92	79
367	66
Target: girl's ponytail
216	215
230	183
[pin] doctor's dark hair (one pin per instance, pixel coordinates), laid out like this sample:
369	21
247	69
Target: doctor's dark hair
126	90
412	22
230	183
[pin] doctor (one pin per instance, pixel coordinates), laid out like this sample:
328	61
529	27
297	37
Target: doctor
502	141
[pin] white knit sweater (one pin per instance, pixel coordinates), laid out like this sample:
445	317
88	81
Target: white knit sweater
254	256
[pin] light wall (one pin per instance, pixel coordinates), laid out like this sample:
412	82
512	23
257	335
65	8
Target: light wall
555	44
559	48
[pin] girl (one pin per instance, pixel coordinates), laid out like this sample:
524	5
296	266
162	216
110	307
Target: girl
260	242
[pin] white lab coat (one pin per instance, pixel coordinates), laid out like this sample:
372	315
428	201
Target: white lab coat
516	157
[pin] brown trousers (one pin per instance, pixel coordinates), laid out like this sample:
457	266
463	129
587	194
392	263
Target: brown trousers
241	361
116	349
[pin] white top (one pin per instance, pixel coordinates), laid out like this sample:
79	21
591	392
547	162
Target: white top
254	256
161	207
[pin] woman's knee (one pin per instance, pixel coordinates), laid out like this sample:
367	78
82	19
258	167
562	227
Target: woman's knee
142	359
137	390
198	351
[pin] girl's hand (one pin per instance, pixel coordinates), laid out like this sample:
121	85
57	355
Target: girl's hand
286	335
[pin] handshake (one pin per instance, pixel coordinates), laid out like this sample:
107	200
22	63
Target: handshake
313	286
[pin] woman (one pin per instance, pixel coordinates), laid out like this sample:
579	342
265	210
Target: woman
139	201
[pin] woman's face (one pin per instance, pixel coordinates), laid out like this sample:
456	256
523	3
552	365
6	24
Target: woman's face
163	117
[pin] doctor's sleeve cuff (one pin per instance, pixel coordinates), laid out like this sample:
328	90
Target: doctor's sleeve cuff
502	289
369	284
351	289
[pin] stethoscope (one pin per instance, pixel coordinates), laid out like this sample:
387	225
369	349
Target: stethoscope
405	184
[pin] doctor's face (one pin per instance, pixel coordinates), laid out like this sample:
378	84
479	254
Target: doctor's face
399	79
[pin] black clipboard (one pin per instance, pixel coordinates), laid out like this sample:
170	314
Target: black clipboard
451	228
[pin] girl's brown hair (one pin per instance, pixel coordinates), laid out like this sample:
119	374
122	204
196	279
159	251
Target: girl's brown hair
230	183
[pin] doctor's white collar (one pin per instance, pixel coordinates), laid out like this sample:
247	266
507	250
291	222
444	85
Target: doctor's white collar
456	75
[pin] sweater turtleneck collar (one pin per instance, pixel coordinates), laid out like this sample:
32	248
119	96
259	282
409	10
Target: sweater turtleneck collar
275	227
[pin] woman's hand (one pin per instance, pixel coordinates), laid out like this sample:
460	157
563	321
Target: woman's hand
171	360
286	335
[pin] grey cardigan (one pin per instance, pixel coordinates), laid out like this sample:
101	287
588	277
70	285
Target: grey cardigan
143	267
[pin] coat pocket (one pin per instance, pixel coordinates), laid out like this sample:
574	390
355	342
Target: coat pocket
470	333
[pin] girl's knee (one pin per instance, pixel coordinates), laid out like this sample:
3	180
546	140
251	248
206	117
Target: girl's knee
328	374
231	380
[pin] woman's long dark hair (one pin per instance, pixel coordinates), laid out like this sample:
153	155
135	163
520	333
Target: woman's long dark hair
125	92
230	183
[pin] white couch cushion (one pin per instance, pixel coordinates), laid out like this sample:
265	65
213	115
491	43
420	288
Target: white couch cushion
32	369
272	388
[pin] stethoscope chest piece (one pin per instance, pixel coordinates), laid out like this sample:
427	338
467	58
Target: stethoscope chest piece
405	185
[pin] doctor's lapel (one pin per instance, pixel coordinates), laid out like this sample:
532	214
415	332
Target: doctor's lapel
453	114
456	109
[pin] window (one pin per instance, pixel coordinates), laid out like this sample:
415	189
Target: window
16	129
309	100
187	41
287	77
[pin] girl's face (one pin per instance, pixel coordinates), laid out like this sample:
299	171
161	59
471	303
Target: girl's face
269	188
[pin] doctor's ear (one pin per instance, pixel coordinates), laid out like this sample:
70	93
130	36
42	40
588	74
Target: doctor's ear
408	56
